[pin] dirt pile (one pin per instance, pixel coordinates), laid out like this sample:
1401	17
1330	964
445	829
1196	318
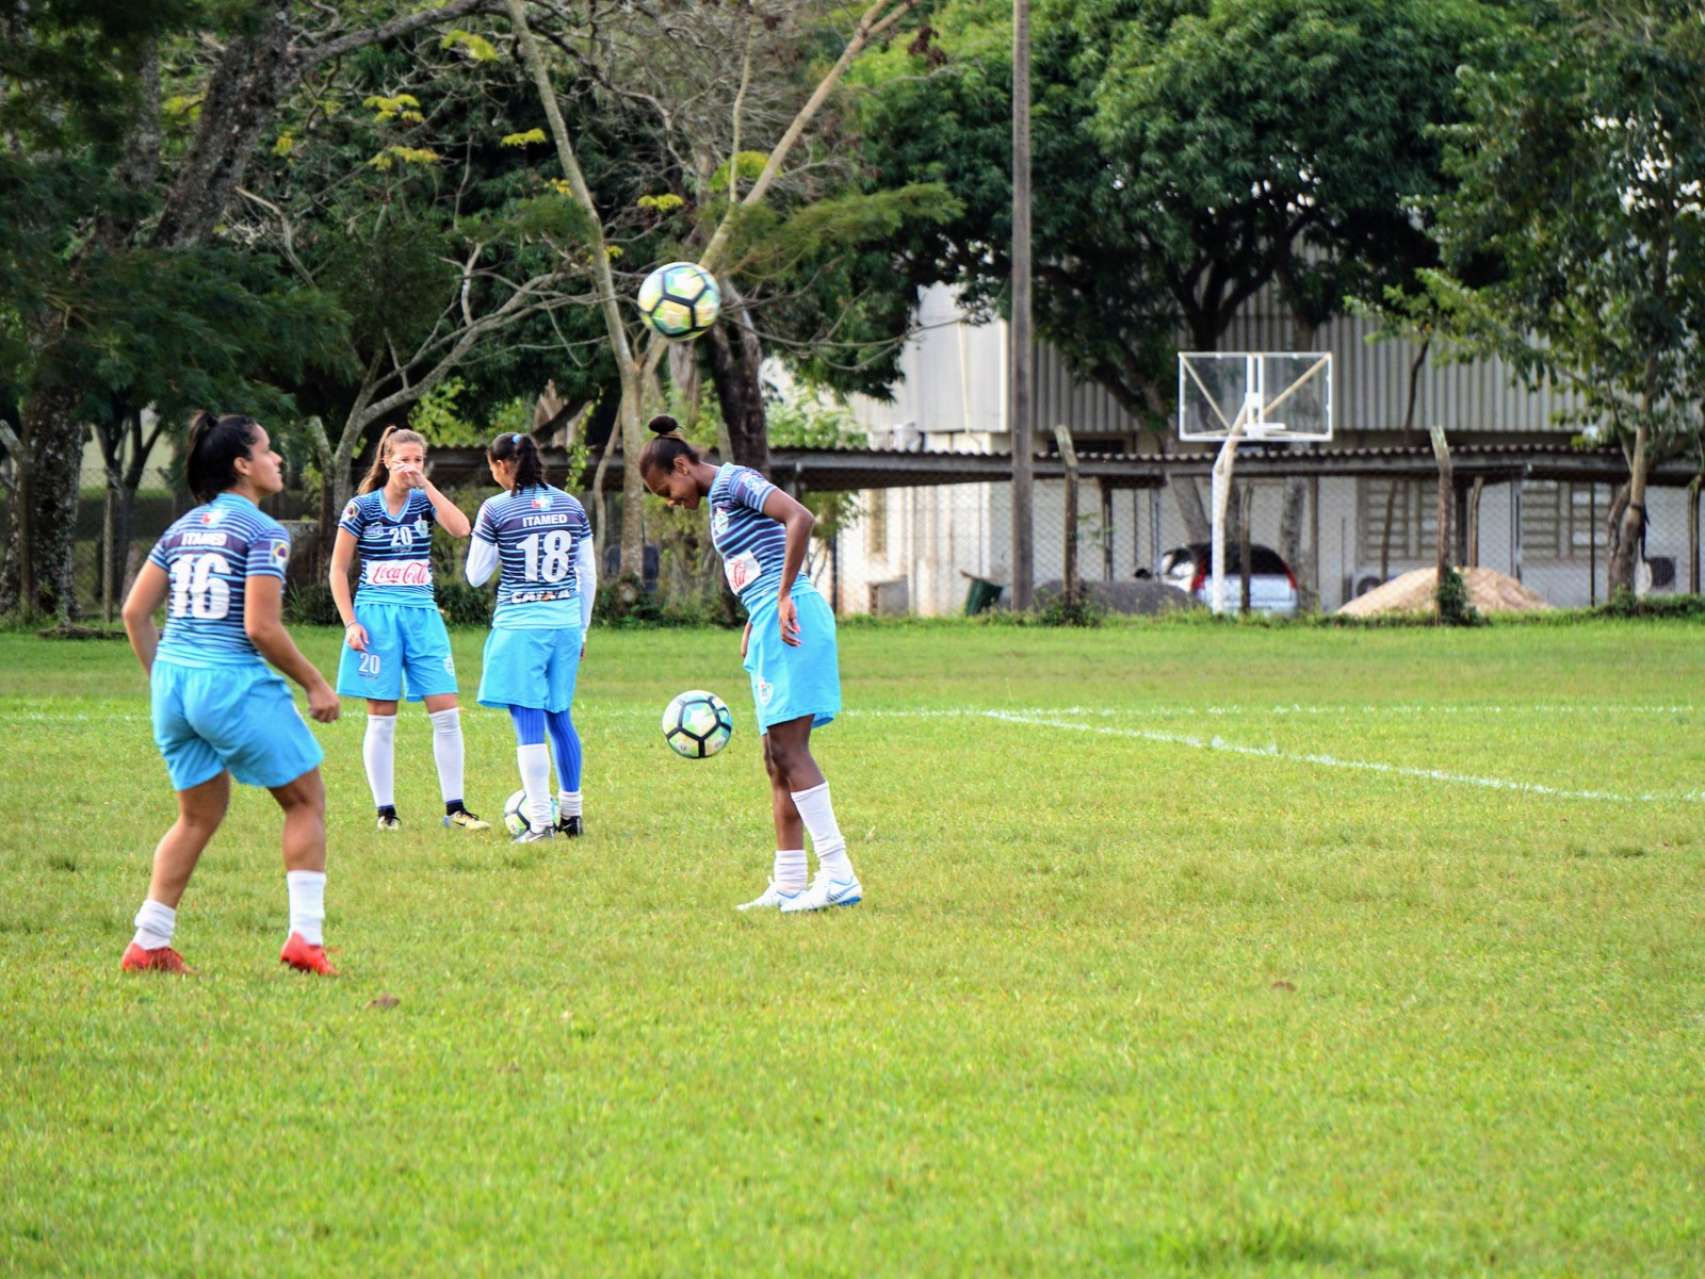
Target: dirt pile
1488	590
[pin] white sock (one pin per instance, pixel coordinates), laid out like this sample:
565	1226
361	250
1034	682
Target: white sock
154	925
535	762
307	904
568	803
790	869
379	750
447	751
819	818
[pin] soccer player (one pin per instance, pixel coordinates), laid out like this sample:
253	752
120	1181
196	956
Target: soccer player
543	541
219	711
395	644
788	650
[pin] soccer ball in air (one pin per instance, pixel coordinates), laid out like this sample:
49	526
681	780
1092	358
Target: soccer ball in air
680	300
697	724
515	813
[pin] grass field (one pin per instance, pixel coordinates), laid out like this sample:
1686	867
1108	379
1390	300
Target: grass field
1186	949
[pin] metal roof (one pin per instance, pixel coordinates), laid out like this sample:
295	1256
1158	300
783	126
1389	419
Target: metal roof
846	468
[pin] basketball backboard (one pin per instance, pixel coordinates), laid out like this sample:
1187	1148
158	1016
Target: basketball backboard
1268	395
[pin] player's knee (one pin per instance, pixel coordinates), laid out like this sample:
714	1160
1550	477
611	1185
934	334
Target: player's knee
771	764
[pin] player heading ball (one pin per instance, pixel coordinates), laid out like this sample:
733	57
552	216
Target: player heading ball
219	711
788	649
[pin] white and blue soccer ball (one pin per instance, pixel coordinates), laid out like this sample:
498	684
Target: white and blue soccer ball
680	300
515	813
697	724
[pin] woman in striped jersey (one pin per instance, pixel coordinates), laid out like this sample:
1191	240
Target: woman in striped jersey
395	644
788	649
219	710
541	540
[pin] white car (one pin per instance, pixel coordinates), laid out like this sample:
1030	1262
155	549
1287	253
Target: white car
1272	585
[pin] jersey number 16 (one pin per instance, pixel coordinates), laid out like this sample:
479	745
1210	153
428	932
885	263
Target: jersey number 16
196	592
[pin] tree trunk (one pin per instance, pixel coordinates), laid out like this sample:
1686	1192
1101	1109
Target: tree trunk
1197	529
1472	535
1627	523
1290	542
634	491
735	360
1244	555
40	573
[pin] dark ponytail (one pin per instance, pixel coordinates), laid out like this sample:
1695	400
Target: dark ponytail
520	449
216	441
660	453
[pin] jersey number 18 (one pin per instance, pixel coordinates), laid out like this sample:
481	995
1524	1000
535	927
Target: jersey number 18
552	565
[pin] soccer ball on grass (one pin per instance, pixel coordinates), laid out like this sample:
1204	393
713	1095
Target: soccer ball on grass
515	815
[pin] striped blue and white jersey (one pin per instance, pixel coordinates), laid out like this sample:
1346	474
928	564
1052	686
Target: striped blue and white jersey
209	555
543	541
396	552
753	546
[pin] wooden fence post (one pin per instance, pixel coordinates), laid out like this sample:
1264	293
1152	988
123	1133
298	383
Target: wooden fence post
1068	454
1441	451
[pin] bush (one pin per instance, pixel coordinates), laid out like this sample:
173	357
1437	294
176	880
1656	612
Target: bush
1454	606
624	602
464	604
310	604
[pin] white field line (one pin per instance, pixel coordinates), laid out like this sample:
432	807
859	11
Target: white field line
1333	761
1188	709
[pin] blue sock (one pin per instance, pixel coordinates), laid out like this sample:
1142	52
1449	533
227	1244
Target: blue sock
529	725
566	743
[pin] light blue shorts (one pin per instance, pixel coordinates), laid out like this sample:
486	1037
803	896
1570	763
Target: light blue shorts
408	654
789	682
210	718
531	666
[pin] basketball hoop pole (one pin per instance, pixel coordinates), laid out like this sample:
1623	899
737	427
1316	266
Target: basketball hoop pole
1222	496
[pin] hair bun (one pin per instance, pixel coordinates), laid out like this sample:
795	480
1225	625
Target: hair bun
663	424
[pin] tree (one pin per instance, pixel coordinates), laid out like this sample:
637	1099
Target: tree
1186	155
638	364
87	86
1580	172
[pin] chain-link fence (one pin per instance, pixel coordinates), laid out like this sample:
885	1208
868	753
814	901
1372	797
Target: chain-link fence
938	550
947	548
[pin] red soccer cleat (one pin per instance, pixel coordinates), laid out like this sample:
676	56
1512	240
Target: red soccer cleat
305	958
162	959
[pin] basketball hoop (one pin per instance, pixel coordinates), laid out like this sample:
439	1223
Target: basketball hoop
1226	397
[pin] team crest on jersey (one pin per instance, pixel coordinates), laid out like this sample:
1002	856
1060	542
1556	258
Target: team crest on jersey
281	553
719	523
765	691
420	527
352	510
212	515
541	503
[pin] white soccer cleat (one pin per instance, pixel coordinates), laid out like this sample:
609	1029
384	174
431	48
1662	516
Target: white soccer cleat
533	834
825	892
772	896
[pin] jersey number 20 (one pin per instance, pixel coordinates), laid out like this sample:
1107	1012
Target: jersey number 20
552	565
196	592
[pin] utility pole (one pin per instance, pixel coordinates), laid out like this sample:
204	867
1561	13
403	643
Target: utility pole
1020	388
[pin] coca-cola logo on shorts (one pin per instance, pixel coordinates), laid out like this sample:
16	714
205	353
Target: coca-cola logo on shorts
399	572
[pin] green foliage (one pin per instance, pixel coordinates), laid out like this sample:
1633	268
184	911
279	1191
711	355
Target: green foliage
1573	239
462	603
1186	154
1455	608
310	604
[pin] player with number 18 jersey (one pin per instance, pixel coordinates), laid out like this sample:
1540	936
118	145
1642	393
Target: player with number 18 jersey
540	540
